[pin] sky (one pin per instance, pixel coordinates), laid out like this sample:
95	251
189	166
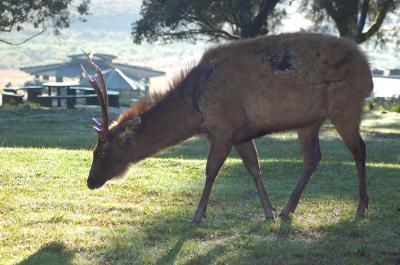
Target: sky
108	31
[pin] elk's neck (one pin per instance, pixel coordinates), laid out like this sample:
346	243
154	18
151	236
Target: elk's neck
169	122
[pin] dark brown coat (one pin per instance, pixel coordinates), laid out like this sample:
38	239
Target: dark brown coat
243	90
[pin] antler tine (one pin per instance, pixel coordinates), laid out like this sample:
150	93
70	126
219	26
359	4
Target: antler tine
97	129
103	84
100	75
95	122
101	95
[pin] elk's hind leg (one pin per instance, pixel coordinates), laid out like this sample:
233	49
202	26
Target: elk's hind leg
350	133
219	151
309	142
345	110
248	152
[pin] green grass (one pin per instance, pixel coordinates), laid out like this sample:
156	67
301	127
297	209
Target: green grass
48	216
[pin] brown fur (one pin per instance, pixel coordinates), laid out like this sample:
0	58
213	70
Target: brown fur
245	89
134	111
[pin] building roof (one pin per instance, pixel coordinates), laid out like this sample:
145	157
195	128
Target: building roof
134	71
116	80
104	61
96	56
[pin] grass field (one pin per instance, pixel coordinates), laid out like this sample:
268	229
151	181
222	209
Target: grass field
48	216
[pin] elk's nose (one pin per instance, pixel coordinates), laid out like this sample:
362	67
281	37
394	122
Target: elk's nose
90	184
94	184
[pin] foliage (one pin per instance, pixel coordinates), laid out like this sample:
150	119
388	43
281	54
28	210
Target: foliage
345	16
395	107
48	216
213	19
388	104
19	15
24	106
218	19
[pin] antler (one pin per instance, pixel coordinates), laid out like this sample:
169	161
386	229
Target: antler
101	129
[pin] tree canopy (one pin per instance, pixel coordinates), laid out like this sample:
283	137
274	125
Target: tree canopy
20	15
356	19
210	19
221	19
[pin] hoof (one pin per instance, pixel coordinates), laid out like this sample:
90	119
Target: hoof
269	217
197	219
360	212
285	213
361	209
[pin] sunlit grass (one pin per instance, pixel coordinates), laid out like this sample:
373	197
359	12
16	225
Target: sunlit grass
48	216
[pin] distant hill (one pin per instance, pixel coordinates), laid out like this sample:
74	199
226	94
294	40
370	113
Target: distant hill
108	30
16	77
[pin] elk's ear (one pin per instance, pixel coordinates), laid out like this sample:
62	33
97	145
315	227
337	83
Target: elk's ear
131	126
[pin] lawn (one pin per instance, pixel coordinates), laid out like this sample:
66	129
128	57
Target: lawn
48	216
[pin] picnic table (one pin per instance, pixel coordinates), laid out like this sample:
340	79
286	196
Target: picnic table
69	91
74	92
47	101
113	96
10	95
59	86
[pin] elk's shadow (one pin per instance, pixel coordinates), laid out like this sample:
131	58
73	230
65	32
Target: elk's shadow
51	253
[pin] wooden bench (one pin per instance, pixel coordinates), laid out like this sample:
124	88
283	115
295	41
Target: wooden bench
12	98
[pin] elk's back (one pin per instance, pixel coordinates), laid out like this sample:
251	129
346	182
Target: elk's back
281	82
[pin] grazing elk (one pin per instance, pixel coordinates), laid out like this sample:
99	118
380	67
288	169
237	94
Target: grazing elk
238	92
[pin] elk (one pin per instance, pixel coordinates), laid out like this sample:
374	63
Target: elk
240	91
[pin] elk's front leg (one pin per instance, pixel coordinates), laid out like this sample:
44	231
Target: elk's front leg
219	151
309	142
248	152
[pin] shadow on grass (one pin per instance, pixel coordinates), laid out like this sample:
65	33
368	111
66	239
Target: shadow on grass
172	254
349	241
51	253
378	135
233	233
285	227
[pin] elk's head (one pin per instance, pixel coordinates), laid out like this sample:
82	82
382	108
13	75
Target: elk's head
109	156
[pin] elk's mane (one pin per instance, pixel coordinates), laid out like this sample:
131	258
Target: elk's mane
148	102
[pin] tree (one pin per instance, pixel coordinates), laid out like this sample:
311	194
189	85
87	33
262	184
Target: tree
20	15
350	17
210	19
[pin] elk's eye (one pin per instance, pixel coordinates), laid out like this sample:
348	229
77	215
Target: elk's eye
102	154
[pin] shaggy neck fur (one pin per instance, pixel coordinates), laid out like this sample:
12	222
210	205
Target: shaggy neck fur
166	119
